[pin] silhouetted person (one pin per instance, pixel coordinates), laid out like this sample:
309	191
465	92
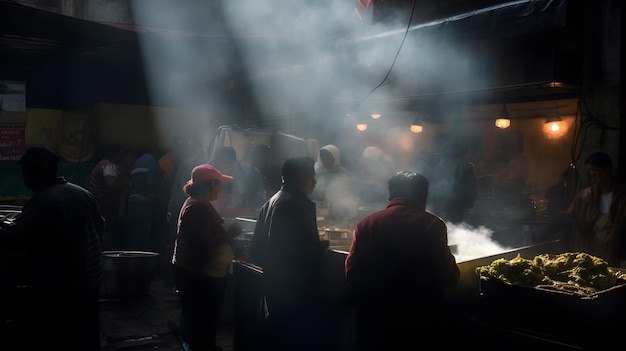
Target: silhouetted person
398	266
287	246
60	229
558	195
140	205
108	186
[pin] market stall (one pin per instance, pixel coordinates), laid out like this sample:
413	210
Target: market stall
493	314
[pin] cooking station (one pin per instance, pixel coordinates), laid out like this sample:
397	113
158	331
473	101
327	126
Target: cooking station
11	273
493	316
339	238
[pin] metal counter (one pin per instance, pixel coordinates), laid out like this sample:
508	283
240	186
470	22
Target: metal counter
493	324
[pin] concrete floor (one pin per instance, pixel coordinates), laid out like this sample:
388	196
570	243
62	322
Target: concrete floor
149	322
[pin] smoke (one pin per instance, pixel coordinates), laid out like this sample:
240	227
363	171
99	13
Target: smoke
472	242
310	60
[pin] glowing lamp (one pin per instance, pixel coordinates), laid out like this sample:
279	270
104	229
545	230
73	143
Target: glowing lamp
416	128
503	123
554	123
503	120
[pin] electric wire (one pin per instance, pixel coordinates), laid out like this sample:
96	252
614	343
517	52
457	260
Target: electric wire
393	63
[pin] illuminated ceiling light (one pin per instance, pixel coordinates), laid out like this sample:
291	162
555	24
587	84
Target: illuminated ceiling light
503	120
416	126
554	122
375	115
361	126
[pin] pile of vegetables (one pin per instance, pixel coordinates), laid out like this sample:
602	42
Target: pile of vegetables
573	272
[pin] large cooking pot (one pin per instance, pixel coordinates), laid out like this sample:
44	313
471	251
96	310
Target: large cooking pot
128	273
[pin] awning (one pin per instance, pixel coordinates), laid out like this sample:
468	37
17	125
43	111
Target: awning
509	52
511	19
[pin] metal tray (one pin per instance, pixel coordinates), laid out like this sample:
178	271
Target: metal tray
534	301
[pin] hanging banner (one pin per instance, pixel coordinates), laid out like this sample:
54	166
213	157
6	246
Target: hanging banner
12	141
12	120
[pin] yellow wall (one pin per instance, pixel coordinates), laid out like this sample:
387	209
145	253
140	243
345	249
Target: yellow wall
143	126
77	135
43	127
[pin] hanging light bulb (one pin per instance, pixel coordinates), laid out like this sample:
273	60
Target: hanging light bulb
361	126
503	120
416	126
554	123
375	115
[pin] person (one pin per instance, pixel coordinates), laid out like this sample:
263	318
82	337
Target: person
187	155
558	195
140	203
453	187
334	185
598	212
108	186
287	246
167	166
398	265
60	229
201	259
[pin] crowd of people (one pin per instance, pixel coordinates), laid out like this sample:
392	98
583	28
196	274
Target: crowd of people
65	227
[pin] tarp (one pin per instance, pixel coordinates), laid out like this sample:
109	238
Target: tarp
511	19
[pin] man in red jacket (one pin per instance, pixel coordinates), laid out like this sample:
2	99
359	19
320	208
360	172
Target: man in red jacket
398	266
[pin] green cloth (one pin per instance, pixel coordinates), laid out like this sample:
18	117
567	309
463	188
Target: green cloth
12	187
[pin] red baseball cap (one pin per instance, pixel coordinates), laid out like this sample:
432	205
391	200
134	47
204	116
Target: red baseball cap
206	172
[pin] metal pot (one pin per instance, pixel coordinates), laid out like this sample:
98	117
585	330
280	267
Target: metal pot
128	273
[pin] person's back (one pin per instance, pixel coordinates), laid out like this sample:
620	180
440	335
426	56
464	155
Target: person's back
141	188
60	228
140	203
69	217
398	266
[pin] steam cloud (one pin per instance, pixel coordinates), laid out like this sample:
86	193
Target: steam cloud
473	242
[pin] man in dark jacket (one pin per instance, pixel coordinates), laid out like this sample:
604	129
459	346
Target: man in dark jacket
286	245
398	266
59	229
